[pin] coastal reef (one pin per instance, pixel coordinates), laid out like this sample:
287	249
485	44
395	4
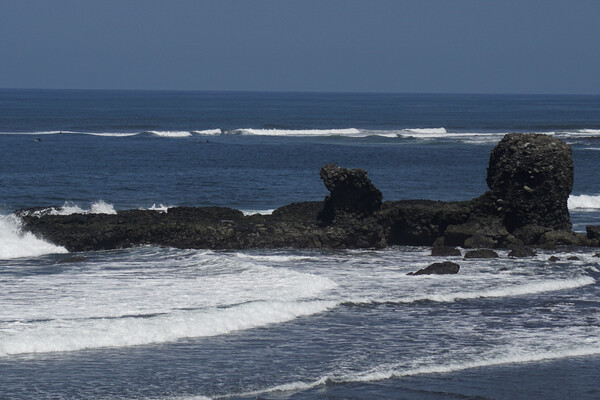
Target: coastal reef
530	177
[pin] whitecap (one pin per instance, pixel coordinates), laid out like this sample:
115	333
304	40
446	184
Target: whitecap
208	132
171	134
71	335
15	243
584	202
300	132
261	212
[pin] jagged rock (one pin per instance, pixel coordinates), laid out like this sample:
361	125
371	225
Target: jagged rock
445	251
531	176
351	192
521	251
481	253
551	239
420	222
443	268
554	259
476	233
593	232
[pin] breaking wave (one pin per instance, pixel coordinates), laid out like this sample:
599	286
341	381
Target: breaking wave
419	133
68	208
584	202
299	132
507	291
16	243
71	335
171	134
389	372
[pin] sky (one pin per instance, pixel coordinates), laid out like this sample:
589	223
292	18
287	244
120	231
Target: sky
406	46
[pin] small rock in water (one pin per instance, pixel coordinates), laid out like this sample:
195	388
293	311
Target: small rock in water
597	255
574	258
445	251
521	251
443	268
553	259
481	253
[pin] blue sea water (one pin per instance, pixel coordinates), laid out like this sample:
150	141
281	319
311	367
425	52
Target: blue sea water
160	323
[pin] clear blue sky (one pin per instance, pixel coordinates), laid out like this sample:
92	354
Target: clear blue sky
478	46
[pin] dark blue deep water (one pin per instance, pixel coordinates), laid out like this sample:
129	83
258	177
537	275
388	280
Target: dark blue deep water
156	323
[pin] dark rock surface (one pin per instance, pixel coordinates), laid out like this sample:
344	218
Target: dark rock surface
351	193
445	251
443	268
481	253
521	251
530	177
554	259
593	232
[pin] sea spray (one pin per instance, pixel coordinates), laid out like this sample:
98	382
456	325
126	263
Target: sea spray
15	243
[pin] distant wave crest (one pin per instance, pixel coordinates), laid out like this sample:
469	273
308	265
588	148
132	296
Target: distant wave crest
584	202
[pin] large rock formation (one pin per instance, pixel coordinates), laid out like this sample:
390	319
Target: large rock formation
352	194
530	177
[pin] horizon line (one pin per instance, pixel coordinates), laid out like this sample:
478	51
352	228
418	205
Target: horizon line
296	91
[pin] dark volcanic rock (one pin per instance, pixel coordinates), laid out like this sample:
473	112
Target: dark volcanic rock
521	251
531	175
481	253
421	222
443	268
351	193
445	251
593	232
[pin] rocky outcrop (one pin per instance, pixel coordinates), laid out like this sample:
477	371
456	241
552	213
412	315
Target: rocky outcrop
443	268
529	175
481	253
445	251
521	252
593	232
352	195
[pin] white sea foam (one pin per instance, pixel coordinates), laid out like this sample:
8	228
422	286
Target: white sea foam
300	132
389	372
427	131
208	132
70	335
15	243
261	212
68	208
171	134
584	202
506	291
160	208
111	134
584	132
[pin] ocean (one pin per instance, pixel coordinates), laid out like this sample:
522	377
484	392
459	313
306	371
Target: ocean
164	323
